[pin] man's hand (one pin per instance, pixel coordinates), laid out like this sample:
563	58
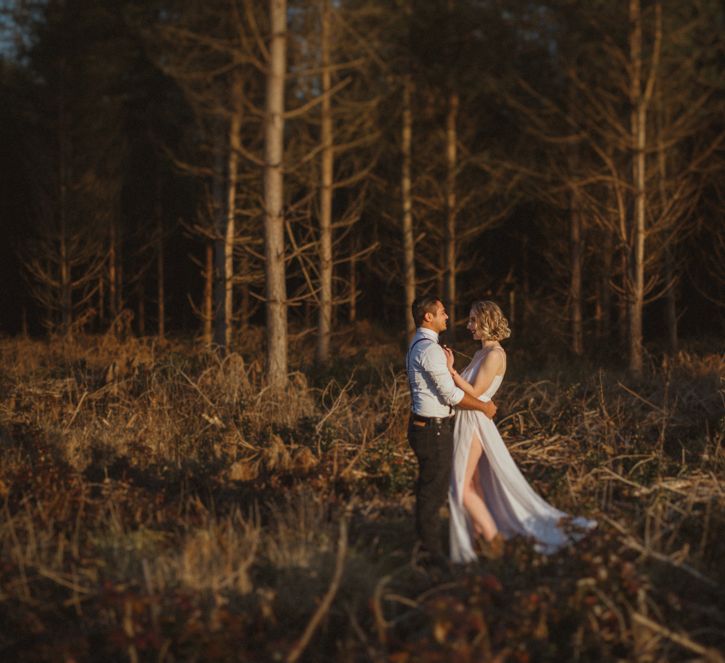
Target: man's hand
489	409
468	402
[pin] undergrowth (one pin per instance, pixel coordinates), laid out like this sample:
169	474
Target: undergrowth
160	503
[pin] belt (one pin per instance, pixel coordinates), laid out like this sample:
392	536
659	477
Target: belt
433	421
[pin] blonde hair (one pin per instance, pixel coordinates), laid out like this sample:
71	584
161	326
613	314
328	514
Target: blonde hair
490	321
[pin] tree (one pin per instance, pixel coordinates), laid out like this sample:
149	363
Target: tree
79	197
212	50
407	204
642	88
613	180
274	247
460	194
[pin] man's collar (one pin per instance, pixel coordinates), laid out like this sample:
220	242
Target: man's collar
428	333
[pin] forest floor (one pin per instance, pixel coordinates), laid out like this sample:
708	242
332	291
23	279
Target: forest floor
158	503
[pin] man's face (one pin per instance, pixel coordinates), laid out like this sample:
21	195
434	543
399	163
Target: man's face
437	321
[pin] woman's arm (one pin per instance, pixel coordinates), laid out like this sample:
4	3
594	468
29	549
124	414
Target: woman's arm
468	402
491	366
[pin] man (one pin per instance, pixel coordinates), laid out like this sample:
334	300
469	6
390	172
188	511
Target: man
430	430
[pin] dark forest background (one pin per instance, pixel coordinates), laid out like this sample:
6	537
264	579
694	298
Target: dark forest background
564	159
215	215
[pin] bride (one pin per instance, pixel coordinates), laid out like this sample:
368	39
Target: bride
490	500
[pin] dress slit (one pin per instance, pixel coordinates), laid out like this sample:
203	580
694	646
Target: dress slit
515	507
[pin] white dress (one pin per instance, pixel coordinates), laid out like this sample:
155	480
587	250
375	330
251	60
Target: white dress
514	506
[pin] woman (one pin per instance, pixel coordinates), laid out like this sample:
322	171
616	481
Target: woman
489	498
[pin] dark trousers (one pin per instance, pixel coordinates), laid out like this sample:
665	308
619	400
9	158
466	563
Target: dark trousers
433	446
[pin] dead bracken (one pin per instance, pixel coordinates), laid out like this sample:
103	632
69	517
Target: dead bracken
178	510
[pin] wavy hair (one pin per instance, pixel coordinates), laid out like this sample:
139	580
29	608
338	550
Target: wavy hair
490	321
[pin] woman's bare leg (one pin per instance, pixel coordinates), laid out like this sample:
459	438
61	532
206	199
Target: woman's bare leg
476	483
473	496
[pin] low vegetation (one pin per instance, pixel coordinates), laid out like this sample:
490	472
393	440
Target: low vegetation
159	503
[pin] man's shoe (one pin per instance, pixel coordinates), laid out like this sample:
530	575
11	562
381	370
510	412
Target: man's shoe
433	564
437	567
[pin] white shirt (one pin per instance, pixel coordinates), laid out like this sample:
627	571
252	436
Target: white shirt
432	390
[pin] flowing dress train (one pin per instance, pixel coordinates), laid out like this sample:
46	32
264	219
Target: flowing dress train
514	506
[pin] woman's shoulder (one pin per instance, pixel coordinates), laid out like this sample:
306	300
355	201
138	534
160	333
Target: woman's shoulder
495	356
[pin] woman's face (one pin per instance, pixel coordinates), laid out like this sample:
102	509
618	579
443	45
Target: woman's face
471	326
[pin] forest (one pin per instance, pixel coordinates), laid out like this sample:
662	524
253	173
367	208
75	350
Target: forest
217	214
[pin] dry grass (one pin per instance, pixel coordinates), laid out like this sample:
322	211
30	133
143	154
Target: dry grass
158	503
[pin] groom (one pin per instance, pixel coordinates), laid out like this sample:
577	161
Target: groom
430	430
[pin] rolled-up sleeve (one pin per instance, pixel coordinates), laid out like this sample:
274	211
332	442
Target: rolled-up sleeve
434	362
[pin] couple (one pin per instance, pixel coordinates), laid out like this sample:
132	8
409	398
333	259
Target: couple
462	454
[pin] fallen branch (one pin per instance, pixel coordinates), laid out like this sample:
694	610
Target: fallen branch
631	392
76	411
632	543
58	578
240	437
326	602
380	624
336	403
629	482
679	638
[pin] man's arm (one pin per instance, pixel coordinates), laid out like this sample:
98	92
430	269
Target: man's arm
468	402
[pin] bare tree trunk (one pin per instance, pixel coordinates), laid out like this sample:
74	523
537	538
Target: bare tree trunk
604	294
671	303
102	295
160	284
441	274
638	129
246	304
324	326
113	273
141	309
235	126
598	312
274	198
670	280
575	292
452	164
208	306
622	301
640	103
408	237
352	311
65	279
119	273
308	314
65	275
525	296
575	241
220	221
